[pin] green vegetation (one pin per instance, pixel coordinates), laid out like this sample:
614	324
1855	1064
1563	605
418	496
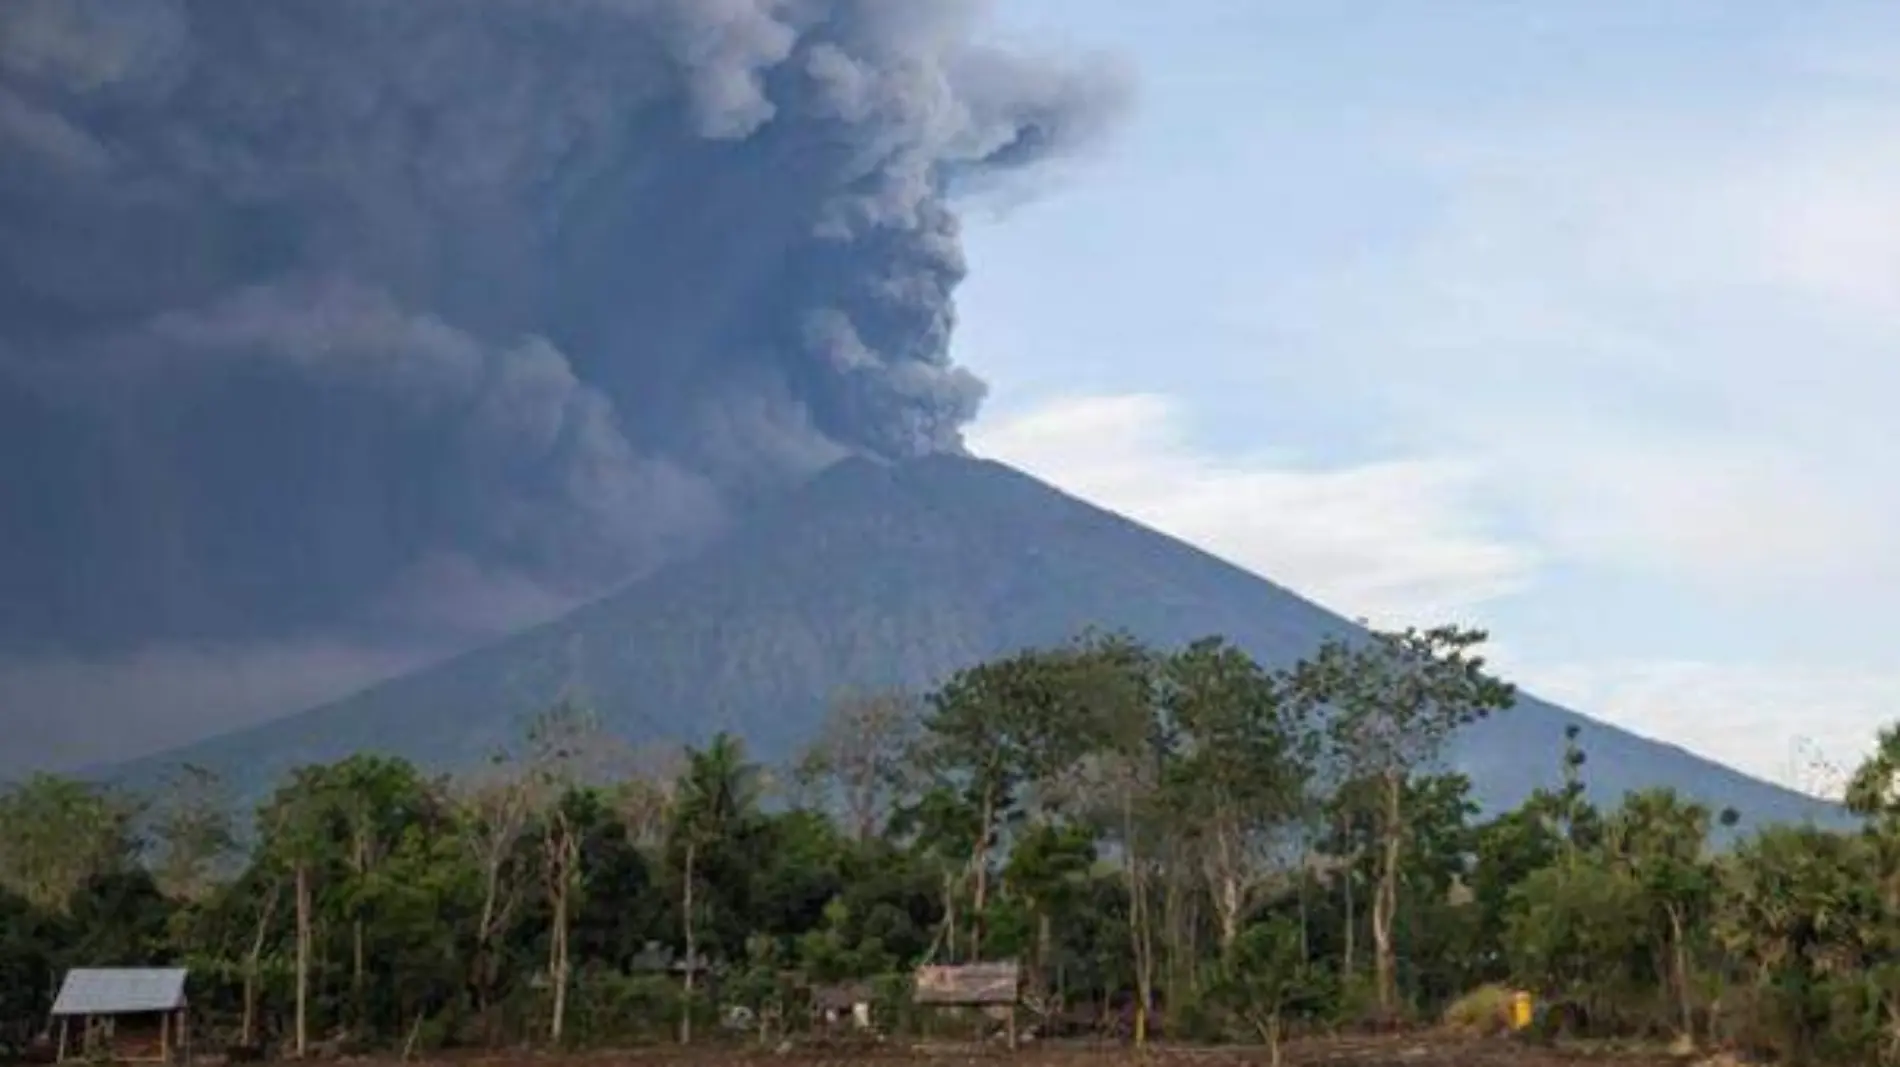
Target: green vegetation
1172	843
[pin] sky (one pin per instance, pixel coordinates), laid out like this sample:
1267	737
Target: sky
1574	321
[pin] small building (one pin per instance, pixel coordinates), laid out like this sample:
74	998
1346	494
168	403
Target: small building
995	988
129	1014
833	1004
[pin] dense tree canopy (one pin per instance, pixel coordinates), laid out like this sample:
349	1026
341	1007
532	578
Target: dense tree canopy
1178	842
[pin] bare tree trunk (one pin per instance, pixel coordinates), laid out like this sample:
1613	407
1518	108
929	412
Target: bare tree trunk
692	947
484	953
1140	929
1306	944
1385	903
359	994
1229	892
303	957
1681	966
980	860
253	963
950	917
557	957
1349	953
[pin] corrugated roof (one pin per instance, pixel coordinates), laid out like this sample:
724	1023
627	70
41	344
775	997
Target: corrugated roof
120	990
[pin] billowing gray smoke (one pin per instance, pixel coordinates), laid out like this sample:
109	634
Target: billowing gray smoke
316	315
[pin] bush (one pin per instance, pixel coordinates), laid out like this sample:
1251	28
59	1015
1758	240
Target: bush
1485	1010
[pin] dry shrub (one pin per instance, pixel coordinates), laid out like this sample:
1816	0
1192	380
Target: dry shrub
1485	1010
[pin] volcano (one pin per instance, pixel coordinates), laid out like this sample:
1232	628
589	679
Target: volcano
876	575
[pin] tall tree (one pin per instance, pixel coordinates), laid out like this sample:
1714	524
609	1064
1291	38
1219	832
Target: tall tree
1660	838
568	751
718	799
495	811
192	834
1242	780
297	830
1393	701
860	757
995	733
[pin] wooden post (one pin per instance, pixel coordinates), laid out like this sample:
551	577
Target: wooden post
1012	1027
64	1022
165	1037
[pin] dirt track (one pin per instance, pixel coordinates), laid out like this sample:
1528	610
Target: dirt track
1415	1051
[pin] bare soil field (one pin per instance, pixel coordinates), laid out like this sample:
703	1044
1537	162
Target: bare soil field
1394	1051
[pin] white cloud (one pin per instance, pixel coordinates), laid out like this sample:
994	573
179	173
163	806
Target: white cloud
1804	726
1671	339
1407	542
1396	542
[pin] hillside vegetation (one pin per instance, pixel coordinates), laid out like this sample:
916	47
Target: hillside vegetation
878	577
1174	842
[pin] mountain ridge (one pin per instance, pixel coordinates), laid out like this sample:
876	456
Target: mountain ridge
877	575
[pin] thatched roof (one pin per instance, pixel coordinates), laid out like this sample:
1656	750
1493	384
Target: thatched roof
841	997
973	984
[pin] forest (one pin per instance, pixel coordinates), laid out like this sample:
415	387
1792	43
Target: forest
1177	845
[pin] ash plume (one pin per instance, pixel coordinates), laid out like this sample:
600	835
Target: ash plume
316	315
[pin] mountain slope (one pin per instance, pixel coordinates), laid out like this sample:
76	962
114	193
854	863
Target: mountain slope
877	575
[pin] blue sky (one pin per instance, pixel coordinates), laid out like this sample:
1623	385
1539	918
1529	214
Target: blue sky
1574	320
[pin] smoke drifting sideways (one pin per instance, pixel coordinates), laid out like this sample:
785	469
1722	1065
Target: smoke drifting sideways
385	318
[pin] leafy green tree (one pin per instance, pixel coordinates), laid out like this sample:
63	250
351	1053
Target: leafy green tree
1660	840
717	804
1392	702
56	834
1241	783
1265	977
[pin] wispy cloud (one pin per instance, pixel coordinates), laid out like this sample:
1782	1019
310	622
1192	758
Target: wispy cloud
1390	541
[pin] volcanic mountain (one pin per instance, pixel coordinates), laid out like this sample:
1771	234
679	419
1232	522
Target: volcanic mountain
880	575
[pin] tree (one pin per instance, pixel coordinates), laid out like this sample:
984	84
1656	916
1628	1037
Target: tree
192	833
56	834
718	799
996	731
1241	782
861	755
297	833
567	752
374	800
1392	702
1659	839
1113	690
1265	976
495	809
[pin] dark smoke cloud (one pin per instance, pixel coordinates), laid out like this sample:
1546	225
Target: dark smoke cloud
318	315
322	289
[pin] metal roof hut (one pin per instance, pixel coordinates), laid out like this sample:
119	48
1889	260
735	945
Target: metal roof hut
150	999
989	986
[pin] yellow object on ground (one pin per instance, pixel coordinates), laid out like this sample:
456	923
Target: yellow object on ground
1520	1010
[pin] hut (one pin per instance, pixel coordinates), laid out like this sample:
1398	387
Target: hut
130	1014
991	987
833	1004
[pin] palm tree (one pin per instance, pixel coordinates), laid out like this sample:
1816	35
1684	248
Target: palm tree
717	797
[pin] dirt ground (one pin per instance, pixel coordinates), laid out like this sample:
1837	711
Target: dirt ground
1397	1051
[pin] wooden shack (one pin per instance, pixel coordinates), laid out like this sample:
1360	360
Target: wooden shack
994	988
126	1014
832	1005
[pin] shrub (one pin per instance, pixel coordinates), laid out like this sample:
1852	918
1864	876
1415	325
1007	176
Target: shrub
1485	1010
